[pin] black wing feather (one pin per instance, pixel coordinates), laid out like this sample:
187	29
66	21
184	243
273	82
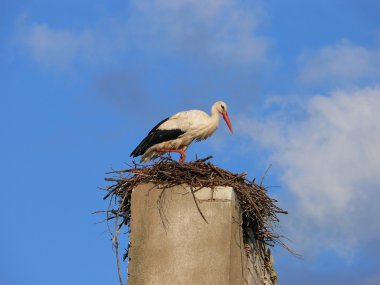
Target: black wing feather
156	136
158	125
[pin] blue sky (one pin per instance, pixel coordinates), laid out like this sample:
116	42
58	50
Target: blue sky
82	83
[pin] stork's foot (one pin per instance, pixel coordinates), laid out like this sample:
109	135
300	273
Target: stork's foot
182	158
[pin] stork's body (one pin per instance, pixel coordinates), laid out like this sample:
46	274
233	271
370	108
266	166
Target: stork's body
177	132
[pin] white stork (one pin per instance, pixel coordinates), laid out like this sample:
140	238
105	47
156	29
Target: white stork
176	133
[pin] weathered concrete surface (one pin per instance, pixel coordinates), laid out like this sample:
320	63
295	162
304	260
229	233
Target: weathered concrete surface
172	244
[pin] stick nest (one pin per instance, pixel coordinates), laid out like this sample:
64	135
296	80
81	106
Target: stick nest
259	211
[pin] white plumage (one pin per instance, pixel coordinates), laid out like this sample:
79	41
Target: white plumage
177	132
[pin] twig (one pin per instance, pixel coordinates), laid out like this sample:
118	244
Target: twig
196	203
265	174
160	210
115	240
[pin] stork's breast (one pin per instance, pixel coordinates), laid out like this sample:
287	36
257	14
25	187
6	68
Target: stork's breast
204	133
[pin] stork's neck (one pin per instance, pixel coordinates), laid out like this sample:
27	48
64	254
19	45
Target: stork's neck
214	115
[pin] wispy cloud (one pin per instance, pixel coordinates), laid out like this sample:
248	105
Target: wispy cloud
342	63
215	30
224	29
330	163
51	46
61	47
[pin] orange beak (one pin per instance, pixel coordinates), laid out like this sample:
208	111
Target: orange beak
227	119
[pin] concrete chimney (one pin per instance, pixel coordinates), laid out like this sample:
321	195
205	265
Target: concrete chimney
170	242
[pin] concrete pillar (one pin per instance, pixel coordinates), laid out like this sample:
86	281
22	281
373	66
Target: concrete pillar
172	244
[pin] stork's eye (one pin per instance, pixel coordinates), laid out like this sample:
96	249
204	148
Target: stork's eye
222	107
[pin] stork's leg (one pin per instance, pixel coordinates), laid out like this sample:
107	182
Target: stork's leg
183	155
180	151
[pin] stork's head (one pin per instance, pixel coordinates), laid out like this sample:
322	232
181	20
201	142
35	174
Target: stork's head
221	107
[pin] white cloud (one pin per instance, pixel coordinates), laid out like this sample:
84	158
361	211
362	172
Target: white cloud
219	29
61	46
343	62
330	162
208	29
50	46
206	9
